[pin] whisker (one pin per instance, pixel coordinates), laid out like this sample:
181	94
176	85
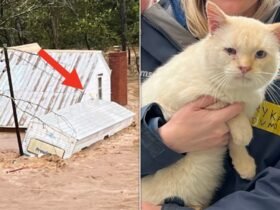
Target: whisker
271	95
260	80
266	73
272	87
218	88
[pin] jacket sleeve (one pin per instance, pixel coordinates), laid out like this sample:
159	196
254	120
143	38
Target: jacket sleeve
263	194
155	154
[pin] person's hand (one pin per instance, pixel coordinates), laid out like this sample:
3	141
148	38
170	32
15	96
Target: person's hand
149	206
194	128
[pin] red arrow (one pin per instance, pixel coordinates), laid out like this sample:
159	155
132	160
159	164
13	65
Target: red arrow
71	79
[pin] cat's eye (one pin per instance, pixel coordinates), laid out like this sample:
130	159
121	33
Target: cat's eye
260	54
230	51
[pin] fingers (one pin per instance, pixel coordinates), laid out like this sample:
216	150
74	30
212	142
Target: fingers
219	141
227	113
223	140
203	102
213	143
149	206
220	131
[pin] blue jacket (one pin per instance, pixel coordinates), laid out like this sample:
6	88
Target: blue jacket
262	193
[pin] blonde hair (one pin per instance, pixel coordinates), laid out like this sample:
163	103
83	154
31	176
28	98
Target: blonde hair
197	19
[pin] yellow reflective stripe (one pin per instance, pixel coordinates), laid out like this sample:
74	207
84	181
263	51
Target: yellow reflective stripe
267	117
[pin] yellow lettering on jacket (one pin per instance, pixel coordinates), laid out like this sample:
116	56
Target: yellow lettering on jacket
267	117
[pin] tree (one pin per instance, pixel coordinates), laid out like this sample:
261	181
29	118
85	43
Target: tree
91	24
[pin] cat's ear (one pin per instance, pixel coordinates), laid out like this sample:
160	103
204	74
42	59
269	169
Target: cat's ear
275	29
216	17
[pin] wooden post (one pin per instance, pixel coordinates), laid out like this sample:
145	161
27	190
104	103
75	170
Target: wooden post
12	99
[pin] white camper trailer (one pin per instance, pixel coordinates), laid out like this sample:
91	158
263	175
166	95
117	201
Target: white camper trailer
71	129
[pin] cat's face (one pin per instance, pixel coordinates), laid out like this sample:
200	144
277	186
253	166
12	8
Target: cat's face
243	52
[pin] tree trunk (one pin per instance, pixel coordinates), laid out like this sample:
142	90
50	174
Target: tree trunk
6	37
19	30
1	9
129	55
87	42
123	24
54	24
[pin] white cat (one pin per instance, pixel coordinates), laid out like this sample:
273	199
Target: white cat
235	62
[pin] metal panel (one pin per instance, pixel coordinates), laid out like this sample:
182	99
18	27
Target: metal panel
84	119
76	127
38	87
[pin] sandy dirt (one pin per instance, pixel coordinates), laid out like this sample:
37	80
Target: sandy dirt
103	176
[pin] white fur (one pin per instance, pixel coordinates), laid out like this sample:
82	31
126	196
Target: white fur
193	178
193	73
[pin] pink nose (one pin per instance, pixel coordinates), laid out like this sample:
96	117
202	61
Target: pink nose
244	69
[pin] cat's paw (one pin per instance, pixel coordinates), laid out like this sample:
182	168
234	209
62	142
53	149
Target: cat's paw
242	135
246	168
241	130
